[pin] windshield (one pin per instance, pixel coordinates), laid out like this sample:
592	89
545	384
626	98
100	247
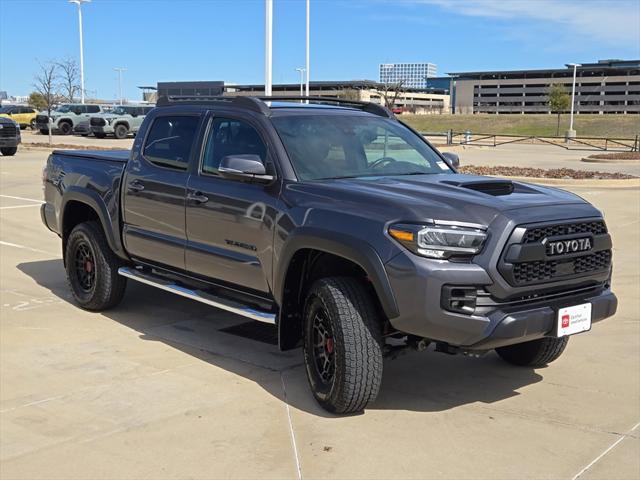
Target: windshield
343	146
5	109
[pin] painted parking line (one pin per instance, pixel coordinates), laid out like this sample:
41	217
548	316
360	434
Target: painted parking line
21	206
22	198
24	247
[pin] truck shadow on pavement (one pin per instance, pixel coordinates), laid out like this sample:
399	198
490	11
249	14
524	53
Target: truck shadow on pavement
420	382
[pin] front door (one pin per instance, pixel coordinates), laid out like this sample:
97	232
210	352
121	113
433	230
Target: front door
229	222
154	192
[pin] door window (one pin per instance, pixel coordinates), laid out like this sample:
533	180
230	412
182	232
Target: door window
231	137
170	140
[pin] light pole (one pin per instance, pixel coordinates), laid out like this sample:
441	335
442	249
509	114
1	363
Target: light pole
79	4
301	70
571	132
308	67
268	18
120	70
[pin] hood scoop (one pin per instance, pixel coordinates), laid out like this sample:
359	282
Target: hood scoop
497	187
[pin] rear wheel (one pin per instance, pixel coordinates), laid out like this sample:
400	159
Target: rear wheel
8	151
92	268
44	131
536	353
65	128
342	344
120	131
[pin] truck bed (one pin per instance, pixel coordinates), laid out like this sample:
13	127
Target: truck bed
109	155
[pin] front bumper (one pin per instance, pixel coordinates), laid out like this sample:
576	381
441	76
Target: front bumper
10	141
418	284
104	129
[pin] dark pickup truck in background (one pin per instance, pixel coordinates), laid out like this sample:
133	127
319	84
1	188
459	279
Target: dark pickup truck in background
338	224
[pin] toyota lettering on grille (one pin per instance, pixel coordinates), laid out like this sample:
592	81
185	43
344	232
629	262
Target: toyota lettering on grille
564	247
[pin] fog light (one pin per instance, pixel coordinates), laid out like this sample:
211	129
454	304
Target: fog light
458	299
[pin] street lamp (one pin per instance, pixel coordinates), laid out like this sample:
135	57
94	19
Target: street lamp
268	20
308	67
120	70
301	70
571	132
79	4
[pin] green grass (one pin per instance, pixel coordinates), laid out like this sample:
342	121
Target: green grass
622	126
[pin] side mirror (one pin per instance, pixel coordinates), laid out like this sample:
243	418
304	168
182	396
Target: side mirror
244	167
453	158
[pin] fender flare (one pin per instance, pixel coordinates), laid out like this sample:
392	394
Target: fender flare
96	203
346	246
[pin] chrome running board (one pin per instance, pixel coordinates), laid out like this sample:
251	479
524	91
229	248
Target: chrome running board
198	295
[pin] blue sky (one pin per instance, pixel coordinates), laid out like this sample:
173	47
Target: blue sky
157	40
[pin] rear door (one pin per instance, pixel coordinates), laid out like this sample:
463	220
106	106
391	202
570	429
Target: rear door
154	191
230	222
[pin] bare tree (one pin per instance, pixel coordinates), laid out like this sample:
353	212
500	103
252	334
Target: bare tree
46	84
69	78
390	92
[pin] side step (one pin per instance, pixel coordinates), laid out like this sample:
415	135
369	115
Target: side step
198	295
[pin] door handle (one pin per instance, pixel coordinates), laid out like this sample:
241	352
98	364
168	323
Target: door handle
135	186
197	197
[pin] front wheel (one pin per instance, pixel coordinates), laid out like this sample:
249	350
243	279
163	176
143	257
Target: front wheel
536	353
8	151
65	128
120	131
92	268
342	344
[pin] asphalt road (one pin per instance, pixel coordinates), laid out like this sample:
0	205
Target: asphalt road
154	389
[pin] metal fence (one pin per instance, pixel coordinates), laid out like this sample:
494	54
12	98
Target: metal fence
576	143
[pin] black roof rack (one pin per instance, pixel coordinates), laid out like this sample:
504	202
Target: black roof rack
258	104
250	103
369	107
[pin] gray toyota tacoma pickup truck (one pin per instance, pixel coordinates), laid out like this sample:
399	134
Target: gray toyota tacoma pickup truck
340	225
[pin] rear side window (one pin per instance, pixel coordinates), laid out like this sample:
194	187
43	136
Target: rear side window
231	137
170	140
93	109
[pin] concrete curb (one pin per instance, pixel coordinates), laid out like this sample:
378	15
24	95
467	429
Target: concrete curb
631	161
587	182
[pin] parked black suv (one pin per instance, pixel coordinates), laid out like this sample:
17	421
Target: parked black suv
340	225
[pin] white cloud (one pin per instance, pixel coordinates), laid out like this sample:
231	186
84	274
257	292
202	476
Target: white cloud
616	22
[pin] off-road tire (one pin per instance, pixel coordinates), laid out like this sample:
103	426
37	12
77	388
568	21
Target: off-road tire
65	128
44	131
357	344
108	287
8	151
99	135
536	353
120	131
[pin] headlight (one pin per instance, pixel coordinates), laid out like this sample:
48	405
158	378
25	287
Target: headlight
440	240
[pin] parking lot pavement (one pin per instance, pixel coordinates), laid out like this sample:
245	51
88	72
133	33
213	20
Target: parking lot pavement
155	389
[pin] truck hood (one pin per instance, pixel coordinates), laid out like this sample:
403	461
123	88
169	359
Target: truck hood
419	198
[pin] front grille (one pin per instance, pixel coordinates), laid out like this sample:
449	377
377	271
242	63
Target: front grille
590	263
8	130
97	122
536	234
537	268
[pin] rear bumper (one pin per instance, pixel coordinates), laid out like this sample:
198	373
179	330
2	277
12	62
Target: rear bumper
418	287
